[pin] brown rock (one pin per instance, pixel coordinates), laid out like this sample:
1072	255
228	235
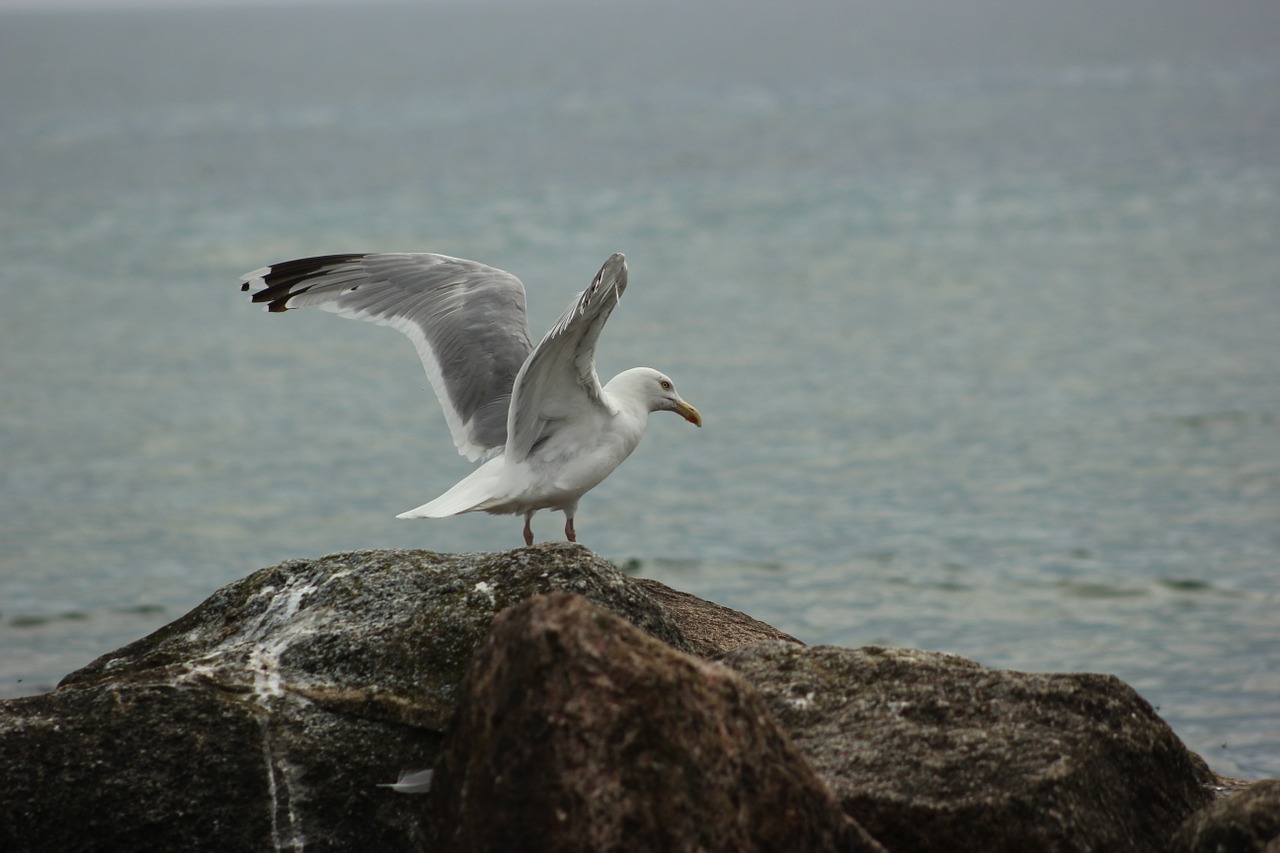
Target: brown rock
935	752
1247	822
578	732
710	629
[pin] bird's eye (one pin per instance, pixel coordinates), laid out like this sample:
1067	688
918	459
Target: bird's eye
666	386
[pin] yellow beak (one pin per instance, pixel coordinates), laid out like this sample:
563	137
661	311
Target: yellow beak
689	413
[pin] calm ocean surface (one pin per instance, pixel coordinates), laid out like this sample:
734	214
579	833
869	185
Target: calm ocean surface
980	302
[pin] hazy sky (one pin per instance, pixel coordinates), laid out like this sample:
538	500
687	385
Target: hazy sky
139	4
104	4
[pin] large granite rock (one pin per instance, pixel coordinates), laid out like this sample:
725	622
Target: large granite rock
265	718
935	752
579	732
393	630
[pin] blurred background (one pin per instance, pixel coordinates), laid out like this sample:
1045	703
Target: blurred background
980	300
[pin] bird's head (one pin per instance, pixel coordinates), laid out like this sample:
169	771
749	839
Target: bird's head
656	391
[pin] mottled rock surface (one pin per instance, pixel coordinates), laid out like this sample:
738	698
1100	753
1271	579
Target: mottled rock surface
387	629
935	752
710	629
1247	822
264	718
579	732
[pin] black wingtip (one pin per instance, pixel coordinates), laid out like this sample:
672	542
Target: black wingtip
281	281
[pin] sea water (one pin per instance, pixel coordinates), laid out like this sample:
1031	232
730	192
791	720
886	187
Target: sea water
980	302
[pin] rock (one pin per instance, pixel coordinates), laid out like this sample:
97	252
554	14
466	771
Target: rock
577	731
935	752
710	628
265	717
137	766
393	629
1247	822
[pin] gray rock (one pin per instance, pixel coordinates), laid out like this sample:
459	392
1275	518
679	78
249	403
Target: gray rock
265	717
391	630
579	732
935	752
1246	822
137	765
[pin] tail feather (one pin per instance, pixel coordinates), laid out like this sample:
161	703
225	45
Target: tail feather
477	491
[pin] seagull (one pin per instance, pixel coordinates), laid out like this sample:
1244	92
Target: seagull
549	431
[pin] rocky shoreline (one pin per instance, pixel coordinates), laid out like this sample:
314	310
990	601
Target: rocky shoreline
566	706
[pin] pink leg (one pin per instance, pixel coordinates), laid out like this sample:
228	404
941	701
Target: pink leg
528	528
569	532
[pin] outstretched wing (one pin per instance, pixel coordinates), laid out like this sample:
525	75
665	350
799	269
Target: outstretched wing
559	379
466	319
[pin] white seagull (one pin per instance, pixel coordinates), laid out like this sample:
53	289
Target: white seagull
552	431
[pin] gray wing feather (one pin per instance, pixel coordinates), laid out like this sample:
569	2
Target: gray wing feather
560	374
467	321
